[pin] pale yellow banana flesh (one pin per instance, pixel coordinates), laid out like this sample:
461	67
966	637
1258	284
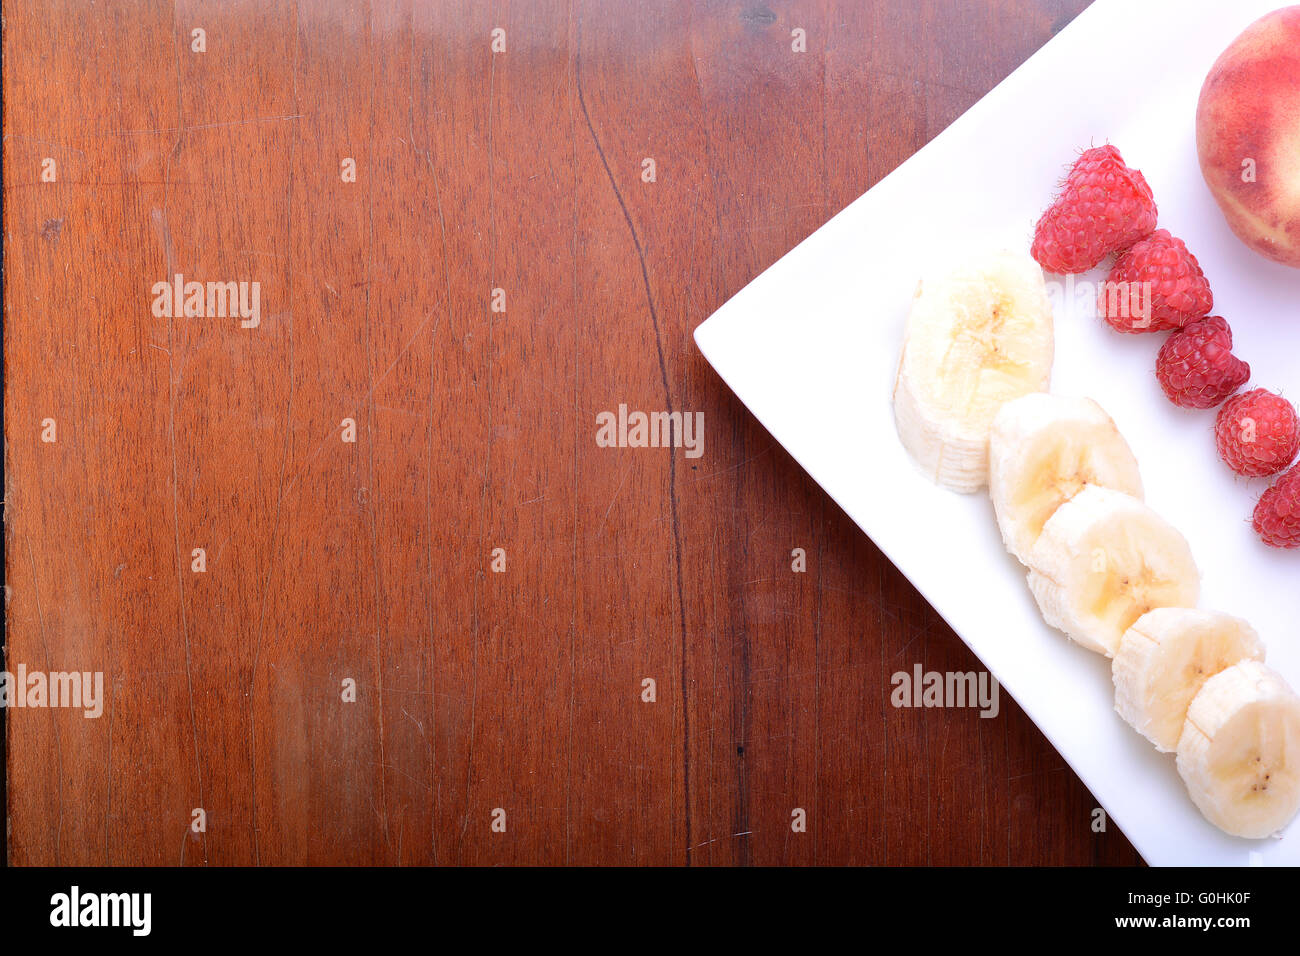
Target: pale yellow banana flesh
974	340
1105	559
1166	657
1043	450
1239	753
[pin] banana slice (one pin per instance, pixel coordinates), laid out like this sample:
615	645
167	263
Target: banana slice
1239	753
1043	450
1166	657
974	340
1105	559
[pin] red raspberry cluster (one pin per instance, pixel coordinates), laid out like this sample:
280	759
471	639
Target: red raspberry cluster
1156	285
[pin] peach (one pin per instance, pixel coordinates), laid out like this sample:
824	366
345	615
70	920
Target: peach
1248	135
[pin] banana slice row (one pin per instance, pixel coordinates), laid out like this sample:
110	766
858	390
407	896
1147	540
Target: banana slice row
972	409
1118	579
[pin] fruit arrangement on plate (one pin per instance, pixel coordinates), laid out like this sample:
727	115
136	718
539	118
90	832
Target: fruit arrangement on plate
973	408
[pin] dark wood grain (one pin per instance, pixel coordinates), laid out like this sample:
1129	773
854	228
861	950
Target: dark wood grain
373	560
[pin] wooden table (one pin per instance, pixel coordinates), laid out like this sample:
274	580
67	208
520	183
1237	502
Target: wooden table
467	245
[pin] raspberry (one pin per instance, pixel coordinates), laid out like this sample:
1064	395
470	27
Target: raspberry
1154	287
1277	516
1103	207
1258	433
1196	367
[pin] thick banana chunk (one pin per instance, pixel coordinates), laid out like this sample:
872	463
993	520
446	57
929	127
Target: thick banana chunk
1166	657
1105	559
974	340
1239	753
1043	450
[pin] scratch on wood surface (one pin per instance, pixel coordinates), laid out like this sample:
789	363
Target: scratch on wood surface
443	312
737	465
684	683
41	142
413	780
380	602
200	126
159	217
280	496
487	455
413	720
605	517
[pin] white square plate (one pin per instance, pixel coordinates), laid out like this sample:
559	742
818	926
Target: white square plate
811	347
